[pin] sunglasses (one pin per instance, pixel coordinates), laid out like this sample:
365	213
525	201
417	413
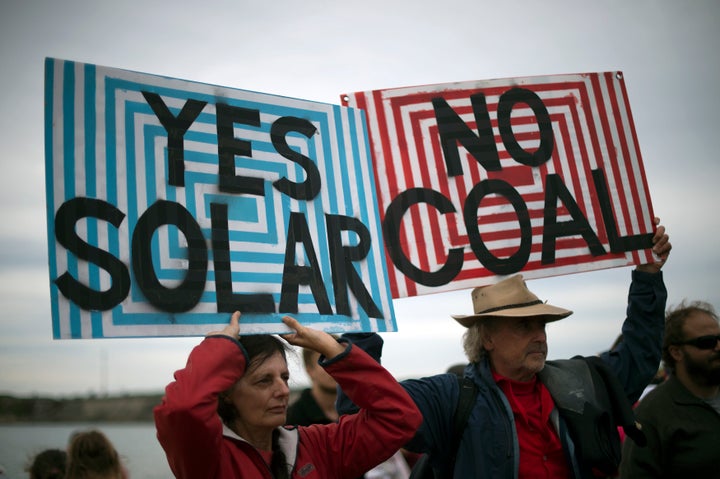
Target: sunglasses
703	342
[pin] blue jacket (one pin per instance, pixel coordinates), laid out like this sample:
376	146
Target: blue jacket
489	445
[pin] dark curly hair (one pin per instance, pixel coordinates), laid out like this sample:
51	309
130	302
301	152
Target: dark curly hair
674	323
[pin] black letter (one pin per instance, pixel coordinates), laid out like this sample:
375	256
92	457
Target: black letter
175	128
452	129
579	225
618	244
227	301
547	140
341	259
310	188
229	147
187	295
519	259
294	275
67	215
391	233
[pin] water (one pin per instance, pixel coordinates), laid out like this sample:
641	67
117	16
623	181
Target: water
135	442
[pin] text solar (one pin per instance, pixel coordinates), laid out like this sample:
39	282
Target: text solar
173	203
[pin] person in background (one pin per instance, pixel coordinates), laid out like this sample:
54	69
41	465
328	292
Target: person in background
316	404
659	378
525	421
48	464
457	369
681	416
223	417
91	455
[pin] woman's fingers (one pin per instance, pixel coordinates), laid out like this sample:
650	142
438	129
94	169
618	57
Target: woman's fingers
232	329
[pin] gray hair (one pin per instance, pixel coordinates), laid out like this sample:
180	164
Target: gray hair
473	339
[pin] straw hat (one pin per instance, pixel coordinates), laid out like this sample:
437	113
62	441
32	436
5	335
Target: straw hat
510	298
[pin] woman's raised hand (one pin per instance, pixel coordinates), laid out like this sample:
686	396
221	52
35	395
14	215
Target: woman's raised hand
314	339
232	329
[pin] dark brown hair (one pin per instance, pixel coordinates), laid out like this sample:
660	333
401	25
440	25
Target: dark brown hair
48	464
674	322
91	455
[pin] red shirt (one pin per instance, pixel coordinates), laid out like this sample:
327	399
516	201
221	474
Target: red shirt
541	453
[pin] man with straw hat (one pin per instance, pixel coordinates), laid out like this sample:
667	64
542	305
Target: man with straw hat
531	418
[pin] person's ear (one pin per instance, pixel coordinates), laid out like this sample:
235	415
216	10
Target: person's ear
487	338
676	353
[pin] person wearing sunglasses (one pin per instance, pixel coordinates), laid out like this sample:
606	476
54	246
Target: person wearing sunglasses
681	417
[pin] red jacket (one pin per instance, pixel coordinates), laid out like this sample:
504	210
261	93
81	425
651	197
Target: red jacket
198	446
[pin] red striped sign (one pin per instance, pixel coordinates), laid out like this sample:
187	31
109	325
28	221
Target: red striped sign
478	180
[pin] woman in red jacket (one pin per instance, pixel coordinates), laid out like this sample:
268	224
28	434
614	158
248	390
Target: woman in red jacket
224	415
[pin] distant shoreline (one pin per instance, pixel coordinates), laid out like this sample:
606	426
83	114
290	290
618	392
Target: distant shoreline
122	408
119	408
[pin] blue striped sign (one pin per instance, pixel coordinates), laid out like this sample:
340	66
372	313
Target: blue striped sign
173	203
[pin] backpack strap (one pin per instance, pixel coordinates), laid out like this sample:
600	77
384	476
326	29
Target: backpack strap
466	401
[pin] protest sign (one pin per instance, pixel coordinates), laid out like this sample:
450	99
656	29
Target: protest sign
172	204
478	180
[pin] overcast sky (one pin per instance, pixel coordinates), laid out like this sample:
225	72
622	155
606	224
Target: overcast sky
317	50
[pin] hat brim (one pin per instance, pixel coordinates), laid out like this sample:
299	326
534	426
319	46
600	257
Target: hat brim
545	311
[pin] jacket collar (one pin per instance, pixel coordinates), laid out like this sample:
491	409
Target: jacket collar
287	441
679	393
